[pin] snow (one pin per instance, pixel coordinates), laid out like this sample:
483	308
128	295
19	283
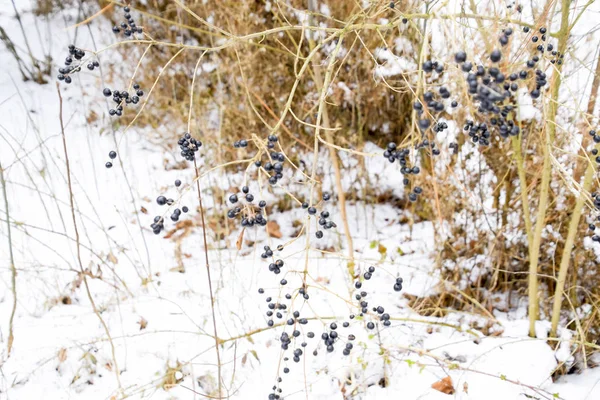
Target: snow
61	351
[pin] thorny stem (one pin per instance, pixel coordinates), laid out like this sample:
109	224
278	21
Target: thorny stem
575	217
210	289
77	241
547	141
13	269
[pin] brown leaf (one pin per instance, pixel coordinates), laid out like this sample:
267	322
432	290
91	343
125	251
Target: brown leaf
273	229
111	257
444	386
62	355
240	239
143	323
466	388
144	210
323	280
244	359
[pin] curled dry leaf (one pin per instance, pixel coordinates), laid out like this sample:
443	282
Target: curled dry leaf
273	229
444	386
111	257
240	239
62	355
143	323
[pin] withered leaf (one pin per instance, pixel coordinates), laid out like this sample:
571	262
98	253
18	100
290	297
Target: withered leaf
444	386
273	229
111	257
240	239
62	355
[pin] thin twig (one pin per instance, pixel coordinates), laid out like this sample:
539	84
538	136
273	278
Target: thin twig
78	246
210	289
13	269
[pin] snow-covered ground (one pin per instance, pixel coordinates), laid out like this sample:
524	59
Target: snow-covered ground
160	320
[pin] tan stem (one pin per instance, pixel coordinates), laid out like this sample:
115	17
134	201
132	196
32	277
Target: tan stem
548	140
575	218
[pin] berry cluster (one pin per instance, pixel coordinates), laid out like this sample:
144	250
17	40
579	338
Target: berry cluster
323	216
490	90
112	155
158	224
276	266
392	153
128	27
122	98
592	226
240	144
189	146
269	253
274	165
73	64
250	213
506	33
430	65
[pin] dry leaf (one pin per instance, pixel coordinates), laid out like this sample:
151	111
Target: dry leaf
244	359
321	279
273	229
62	355
466	388
111	257
444	386
144	210
143	323
240	239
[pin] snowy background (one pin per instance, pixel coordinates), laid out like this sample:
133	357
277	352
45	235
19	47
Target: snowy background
159	318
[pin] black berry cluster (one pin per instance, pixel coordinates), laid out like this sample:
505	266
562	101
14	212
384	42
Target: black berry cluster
122	98
240	144
112	155
128	27
250	214
393	154
323	220
189	146
73	63
430	66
